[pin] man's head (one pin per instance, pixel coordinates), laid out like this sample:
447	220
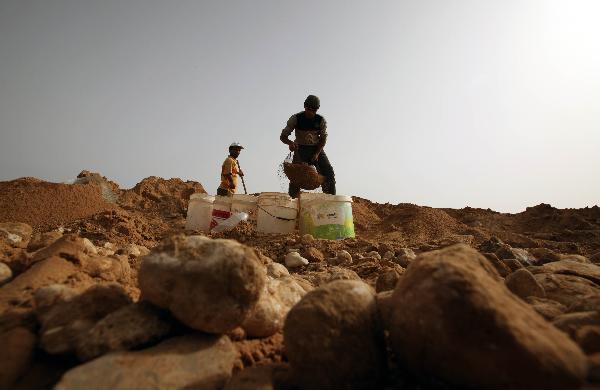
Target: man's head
311	105
235	149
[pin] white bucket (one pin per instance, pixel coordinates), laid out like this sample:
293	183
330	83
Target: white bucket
245	203
277	213
326	216
221	210
199	212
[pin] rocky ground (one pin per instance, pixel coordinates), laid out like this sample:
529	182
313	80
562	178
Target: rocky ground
102	287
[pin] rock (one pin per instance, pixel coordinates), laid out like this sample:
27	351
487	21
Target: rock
513	264
294	260
313	255
594	368
523	284
547	308
16	355
387	281
342	258
269	377
70	247
588	338
382	248
544	255
133	250
90	248
41	240
595	258
342	316
571	322
209	285
389	255
305	284
568	267
17	234
575	258
65	321
19	292
276	270
188	362
491	245
113	268
566	289
103	252
586	303
131	326
373	254
385	308
524	257
48	296
404	256
130	250
5	274
307	239
456	239
330	274
444	290
275	302
503	269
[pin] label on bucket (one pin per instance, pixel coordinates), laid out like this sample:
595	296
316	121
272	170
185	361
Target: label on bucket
327	216
332	222
219	216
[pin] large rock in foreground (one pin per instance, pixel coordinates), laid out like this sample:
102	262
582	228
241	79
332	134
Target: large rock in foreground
453	320
66	316
333	338
188	362
209	285
268	316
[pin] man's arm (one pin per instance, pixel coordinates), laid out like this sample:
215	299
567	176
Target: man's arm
287	131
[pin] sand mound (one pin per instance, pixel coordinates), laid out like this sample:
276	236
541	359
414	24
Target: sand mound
421	224
170	196
45	205
363	213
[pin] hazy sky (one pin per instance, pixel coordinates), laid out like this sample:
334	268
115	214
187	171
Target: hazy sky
439	103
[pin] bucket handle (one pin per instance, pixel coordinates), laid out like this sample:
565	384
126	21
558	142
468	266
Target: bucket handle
274	216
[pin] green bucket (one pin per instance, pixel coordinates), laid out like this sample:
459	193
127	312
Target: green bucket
326	216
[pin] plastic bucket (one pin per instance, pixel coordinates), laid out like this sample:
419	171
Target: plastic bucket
221	210
277	213
326	216
245	203
199	213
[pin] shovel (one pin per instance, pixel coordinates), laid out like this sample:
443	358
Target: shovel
242	177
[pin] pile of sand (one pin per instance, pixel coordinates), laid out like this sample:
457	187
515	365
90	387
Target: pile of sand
45	205
170	196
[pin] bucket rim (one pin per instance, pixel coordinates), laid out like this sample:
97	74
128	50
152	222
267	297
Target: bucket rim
246	198
327	198
202	196
274	194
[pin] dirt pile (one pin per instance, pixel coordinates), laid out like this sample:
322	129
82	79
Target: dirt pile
45	205
170	197
398	289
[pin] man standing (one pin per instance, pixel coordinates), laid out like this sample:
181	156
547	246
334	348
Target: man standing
230	171
311	135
